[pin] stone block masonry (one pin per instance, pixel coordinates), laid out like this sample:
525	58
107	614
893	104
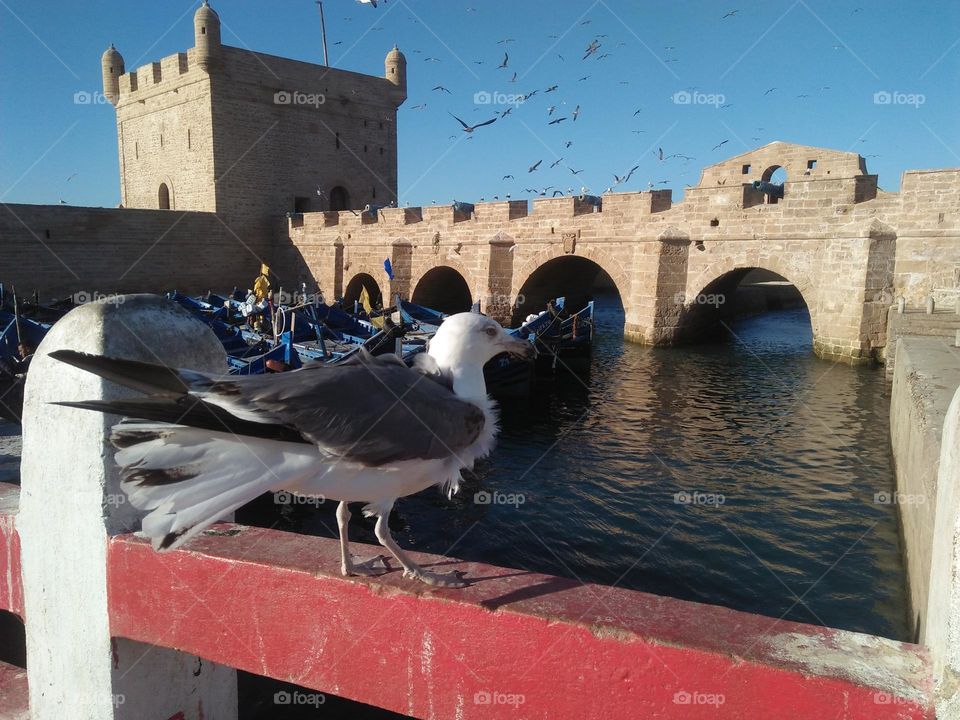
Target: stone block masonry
848	247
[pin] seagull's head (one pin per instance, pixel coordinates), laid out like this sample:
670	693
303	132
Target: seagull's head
471	339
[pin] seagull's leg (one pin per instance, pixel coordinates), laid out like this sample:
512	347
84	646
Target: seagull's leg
410	568
348	566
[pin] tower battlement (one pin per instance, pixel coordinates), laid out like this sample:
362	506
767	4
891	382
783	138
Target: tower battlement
251	135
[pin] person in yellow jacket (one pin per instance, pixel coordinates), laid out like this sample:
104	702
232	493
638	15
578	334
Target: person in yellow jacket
261	286
261	296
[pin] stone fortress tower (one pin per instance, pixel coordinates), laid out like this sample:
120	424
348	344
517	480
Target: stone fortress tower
252	136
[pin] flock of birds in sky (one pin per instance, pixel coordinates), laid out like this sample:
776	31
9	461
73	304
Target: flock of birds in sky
595	48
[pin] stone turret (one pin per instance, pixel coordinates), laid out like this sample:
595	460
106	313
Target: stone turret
206	31
396	72
112	65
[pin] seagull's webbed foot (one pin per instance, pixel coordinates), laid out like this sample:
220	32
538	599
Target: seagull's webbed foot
444	580
410	568
370	567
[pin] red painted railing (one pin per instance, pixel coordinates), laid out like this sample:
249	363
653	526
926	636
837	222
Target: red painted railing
513	644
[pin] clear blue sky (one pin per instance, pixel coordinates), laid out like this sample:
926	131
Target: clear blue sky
856	48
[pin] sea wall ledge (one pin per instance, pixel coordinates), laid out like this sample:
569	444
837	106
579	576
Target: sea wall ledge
559	647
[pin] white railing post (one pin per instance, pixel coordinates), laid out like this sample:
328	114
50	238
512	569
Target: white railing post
943	604
70	504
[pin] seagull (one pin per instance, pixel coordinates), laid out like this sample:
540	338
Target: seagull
575	172
534	166
471	128
506	112
368	430
591	48
552	88
730	14
507	177
719	145
553	165
506	59
576	113
443	89
568	143
557	121
769	91
368	2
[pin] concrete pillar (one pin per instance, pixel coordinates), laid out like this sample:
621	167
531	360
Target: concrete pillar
943	605
71	502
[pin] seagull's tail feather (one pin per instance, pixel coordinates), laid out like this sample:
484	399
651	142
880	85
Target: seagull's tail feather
146	377
188	478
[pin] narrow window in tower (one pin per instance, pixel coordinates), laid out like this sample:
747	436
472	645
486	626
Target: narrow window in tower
161	139
374	191
136	151
364	148
203	30
189	145
381	151
381	126
338	141
364	123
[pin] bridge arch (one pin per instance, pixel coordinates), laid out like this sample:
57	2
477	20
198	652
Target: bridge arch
358	282
443	288
712	296
578	276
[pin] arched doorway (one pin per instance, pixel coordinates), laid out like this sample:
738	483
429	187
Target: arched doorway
708	315
443	289
579	280
339	198
775	175
357	283
164	197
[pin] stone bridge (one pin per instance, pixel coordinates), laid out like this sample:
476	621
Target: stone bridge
847	246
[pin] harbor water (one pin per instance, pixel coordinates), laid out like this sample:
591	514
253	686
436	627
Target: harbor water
746	473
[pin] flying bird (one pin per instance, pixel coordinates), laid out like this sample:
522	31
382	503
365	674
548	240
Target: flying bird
769	91
557	121
575	172
443	89
186	449
552	88
506	60
730	14
591	48
585	77
568	143
534	166
553	165
719	145
576	113
507	177
368	2
471	128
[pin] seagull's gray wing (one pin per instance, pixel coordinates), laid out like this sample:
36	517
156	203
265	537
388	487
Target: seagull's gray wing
370	410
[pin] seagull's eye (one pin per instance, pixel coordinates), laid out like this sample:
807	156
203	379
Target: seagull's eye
492	332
